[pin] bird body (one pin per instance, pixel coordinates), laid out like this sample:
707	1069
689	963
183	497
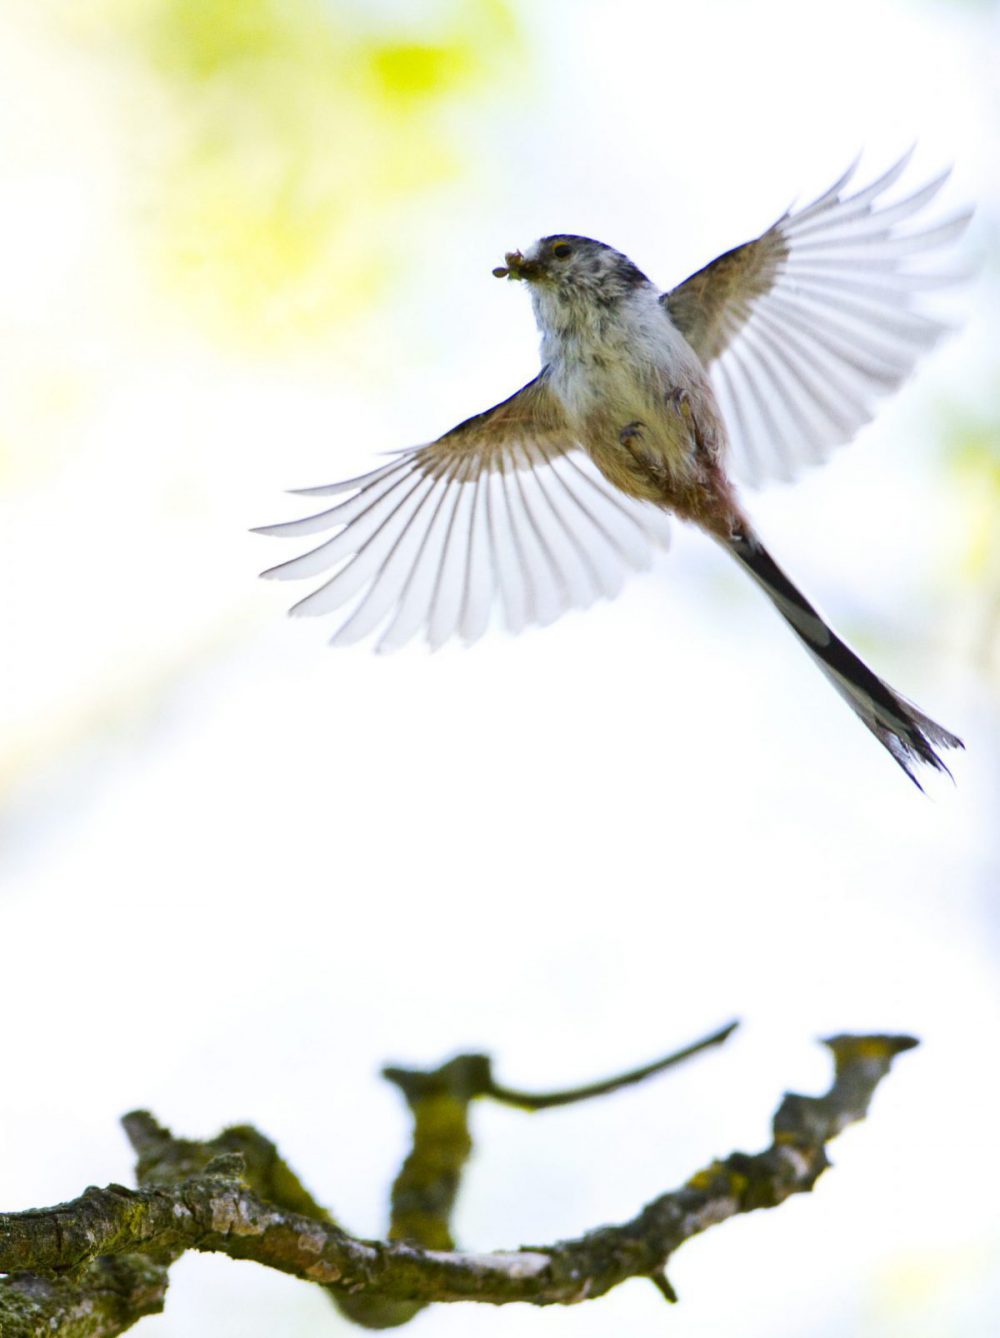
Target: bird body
647	404
635	395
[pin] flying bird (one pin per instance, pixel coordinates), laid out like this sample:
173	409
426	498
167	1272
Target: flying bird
648	403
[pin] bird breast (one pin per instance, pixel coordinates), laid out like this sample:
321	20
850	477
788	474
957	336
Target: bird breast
628	385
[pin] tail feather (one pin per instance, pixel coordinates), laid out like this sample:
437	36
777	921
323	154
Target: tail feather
909	735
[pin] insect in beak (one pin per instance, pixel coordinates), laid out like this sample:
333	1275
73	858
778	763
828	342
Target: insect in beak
517	267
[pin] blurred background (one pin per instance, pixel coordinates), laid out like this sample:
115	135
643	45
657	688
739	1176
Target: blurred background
247	245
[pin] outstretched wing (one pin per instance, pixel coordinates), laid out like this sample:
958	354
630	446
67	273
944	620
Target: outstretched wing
805	327
505	508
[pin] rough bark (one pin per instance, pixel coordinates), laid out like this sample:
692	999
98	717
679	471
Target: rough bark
93	1267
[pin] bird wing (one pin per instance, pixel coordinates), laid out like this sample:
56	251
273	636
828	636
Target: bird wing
504	509
803	328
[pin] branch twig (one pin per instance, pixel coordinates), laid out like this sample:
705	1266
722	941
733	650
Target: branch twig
235	1195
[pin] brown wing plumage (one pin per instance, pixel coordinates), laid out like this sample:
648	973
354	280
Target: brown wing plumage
505	508
805	327
712	305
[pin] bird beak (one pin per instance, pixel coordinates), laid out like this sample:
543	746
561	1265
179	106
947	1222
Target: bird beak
517	267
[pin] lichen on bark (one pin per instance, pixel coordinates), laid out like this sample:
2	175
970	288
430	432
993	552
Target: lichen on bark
94	1267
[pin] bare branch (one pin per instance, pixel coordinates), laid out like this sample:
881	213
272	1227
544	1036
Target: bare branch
108	1297
244	1202
528	1101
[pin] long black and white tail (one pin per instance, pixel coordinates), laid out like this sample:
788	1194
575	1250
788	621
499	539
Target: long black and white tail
908	734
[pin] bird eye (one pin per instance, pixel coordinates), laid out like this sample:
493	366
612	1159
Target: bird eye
562	250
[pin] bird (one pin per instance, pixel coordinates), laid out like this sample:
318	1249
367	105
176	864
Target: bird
649	404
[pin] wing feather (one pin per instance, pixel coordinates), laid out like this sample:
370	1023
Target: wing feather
579	572
413	609
597	544
505	511
481	585
508	562
807	326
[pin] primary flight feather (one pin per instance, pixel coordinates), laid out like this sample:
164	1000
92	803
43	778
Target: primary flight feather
648	403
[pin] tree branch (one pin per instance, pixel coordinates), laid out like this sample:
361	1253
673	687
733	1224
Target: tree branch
234	1195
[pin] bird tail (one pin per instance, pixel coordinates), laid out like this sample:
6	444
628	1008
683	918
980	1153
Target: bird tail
908	734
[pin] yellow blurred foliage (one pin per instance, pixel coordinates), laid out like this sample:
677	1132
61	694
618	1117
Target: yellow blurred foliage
976	460
279	140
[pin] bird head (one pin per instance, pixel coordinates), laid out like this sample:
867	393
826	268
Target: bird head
567	262
567	272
